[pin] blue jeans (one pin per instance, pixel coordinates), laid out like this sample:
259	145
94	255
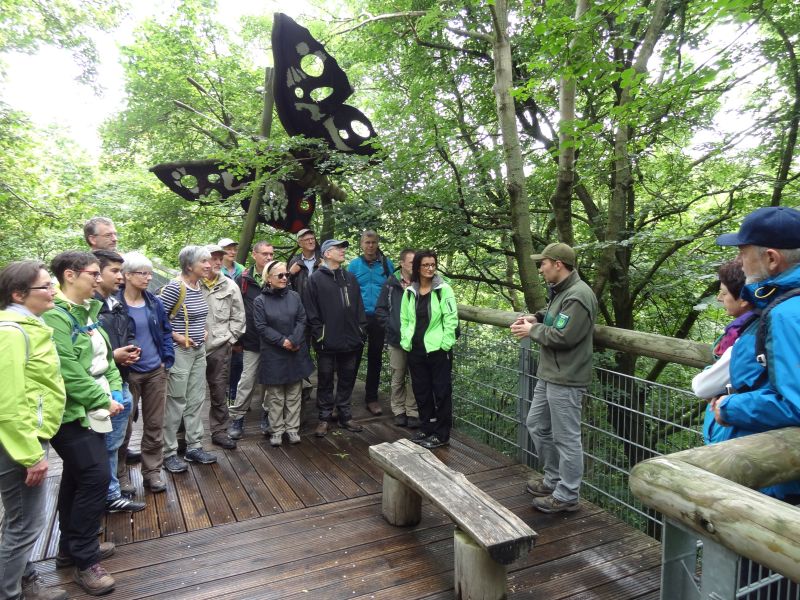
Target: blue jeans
554	424
114	439
23	522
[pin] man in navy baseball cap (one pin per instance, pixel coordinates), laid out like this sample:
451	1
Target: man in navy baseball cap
769	227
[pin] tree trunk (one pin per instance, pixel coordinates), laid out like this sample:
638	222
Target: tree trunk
515	176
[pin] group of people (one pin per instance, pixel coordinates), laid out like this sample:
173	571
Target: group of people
88	356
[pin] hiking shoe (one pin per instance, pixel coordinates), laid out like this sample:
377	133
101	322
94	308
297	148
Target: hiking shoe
95	580
33	588
413	423
294	437
322	429
264	426
224	440
126	488
419	437
275	439
155	483
236	429
123	504
375	408
63	560
433	441
549	504
200	456
132	457
400	420
175	464
351	426
538	488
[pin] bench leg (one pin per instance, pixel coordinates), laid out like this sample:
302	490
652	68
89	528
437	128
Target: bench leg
477	575
401	505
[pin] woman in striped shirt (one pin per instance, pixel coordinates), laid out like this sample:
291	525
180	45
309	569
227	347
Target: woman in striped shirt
186	387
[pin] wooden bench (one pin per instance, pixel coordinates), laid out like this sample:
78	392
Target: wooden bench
488	536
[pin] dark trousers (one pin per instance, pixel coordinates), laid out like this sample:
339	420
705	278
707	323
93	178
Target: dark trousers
375	338
82	495
345	365
217	370
237	366
432	382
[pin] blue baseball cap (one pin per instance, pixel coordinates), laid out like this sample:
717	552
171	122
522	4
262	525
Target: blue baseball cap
328	244
770	227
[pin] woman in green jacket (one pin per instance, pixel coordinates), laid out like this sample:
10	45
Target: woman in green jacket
31	406
94	394
428	322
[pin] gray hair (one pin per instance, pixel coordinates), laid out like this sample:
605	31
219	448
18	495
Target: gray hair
135	261
261	244
90	227
790	255
370	233
190	255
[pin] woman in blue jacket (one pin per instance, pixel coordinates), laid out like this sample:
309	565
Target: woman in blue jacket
148	376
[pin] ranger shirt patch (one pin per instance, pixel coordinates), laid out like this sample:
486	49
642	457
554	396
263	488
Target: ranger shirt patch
561	321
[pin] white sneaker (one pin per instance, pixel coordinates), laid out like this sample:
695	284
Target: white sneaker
275	439
294	437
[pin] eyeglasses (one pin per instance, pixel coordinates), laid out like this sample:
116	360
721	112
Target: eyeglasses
108	236
51	286
142	273
431	266
95	274
281	275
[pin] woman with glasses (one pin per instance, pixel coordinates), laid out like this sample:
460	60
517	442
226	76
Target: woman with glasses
31	406
148	376
428	322
94	394
281	323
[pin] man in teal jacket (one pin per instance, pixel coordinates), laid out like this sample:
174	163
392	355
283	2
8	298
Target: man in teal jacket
93	384
564	332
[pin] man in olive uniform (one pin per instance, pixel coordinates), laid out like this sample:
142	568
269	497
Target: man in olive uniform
564	333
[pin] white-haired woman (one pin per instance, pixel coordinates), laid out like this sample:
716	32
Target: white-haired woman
186	386
147	377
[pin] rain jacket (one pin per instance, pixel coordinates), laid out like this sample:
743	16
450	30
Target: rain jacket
371	277
83	392
441	332
766	397
226	320
335	311
32	396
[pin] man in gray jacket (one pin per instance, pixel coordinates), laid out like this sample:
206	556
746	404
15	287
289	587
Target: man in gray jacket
564	332
225	324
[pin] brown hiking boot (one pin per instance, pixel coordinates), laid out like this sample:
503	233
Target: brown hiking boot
375	408
95	580
538	488
33	589
322	429
549	504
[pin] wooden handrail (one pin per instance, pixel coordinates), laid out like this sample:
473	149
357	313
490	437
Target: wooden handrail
704	490
661	347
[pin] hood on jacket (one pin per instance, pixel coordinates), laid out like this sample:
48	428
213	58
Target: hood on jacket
436	283
761	293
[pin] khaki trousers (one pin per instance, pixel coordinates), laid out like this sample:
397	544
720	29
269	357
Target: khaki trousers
284	406
402	397
186	392
151	387
248	385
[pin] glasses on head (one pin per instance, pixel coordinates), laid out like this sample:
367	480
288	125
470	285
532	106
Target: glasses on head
428	266
50	286
95	274
281	275
141	273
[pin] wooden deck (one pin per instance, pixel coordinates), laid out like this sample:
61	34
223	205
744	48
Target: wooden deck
305	522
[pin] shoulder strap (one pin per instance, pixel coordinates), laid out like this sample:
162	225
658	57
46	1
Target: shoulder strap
763	325
77	327
24	333
181	298
385	264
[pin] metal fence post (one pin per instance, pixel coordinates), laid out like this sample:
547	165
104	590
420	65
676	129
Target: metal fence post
523	395
678	563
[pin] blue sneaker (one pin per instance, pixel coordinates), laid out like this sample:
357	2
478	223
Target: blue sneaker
236	429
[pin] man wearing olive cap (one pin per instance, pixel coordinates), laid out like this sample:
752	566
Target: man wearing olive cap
763	370
564	333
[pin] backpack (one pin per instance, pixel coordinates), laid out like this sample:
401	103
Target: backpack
24	333
77	328
439	297
181	298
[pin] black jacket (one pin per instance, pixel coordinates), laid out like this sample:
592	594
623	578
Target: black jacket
299	279
279	315
335	311
116	323
250	291
387	309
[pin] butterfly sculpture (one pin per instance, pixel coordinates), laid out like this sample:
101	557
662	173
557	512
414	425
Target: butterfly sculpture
308	103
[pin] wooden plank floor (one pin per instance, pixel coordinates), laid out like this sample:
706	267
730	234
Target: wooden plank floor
305	522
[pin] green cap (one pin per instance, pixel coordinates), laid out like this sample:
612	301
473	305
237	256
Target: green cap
557	251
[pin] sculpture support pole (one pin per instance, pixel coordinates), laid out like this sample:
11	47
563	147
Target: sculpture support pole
250	222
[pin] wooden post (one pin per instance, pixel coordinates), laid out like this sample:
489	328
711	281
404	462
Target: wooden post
476	575
250	222
401	505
